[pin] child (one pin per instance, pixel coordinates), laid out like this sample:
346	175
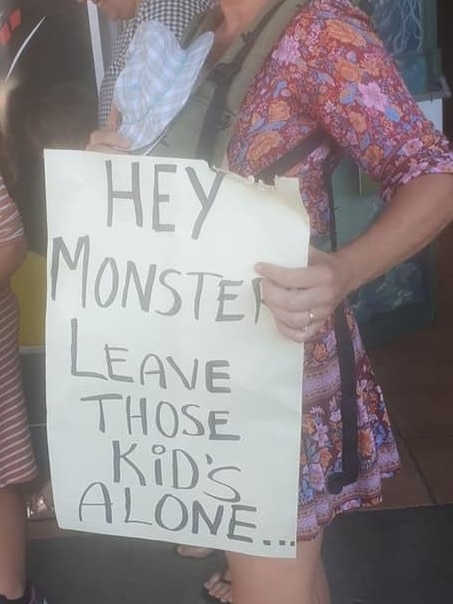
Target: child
17	464
61	117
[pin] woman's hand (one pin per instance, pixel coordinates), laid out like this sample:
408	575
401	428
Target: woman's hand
301	299
107	140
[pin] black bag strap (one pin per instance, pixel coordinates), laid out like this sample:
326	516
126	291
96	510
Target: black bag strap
346	360
336	481
292	157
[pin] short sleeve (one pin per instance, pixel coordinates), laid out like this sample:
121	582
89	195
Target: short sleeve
11	227
356	95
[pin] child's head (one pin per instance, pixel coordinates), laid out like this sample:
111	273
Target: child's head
63	118
6	164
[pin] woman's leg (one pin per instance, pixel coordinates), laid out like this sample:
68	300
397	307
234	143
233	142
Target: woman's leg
12	543
321	593
219	586
269	580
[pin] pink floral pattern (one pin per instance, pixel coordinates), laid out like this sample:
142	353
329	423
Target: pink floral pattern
329	70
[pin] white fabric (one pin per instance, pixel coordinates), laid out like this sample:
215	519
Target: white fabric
156	82
175	14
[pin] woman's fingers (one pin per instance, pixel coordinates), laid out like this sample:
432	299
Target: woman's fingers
296	300
318	273
114	120
301	299
301	326
298	335
302	320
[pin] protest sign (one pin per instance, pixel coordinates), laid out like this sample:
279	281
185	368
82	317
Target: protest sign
174	405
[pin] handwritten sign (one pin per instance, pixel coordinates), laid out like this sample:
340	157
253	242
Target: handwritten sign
174	405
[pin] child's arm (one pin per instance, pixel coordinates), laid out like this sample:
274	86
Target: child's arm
13	248
11	257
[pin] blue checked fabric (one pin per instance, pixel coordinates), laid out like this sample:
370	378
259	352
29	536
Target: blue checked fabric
175	14
156	82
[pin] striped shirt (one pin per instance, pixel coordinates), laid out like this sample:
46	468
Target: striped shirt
175	14
17	463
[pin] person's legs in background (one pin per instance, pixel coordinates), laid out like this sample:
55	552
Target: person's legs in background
192	551
12	543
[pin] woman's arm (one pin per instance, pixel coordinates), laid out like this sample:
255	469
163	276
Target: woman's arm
352	89
302	299
417	214
106	139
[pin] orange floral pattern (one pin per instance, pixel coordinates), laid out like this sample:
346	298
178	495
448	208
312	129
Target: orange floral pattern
330	71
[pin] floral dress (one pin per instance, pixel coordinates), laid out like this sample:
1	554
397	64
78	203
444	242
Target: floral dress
329	70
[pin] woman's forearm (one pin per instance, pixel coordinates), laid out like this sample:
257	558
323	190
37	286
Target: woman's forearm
416	215
301	299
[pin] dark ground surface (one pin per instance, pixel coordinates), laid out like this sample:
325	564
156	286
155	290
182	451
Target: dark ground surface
378	557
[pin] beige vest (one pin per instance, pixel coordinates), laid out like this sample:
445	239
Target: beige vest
204	126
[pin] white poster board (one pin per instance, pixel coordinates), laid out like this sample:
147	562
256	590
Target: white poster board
174	405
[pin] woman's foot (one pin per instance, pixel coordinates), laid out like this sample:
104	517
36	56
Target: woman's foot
219	587
191	551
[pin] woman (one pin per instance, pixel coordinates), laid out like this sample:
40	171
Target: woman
329	71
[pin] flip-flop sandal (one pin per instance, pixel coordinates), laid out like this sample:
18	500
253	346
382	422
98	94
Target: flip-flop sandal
38	508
